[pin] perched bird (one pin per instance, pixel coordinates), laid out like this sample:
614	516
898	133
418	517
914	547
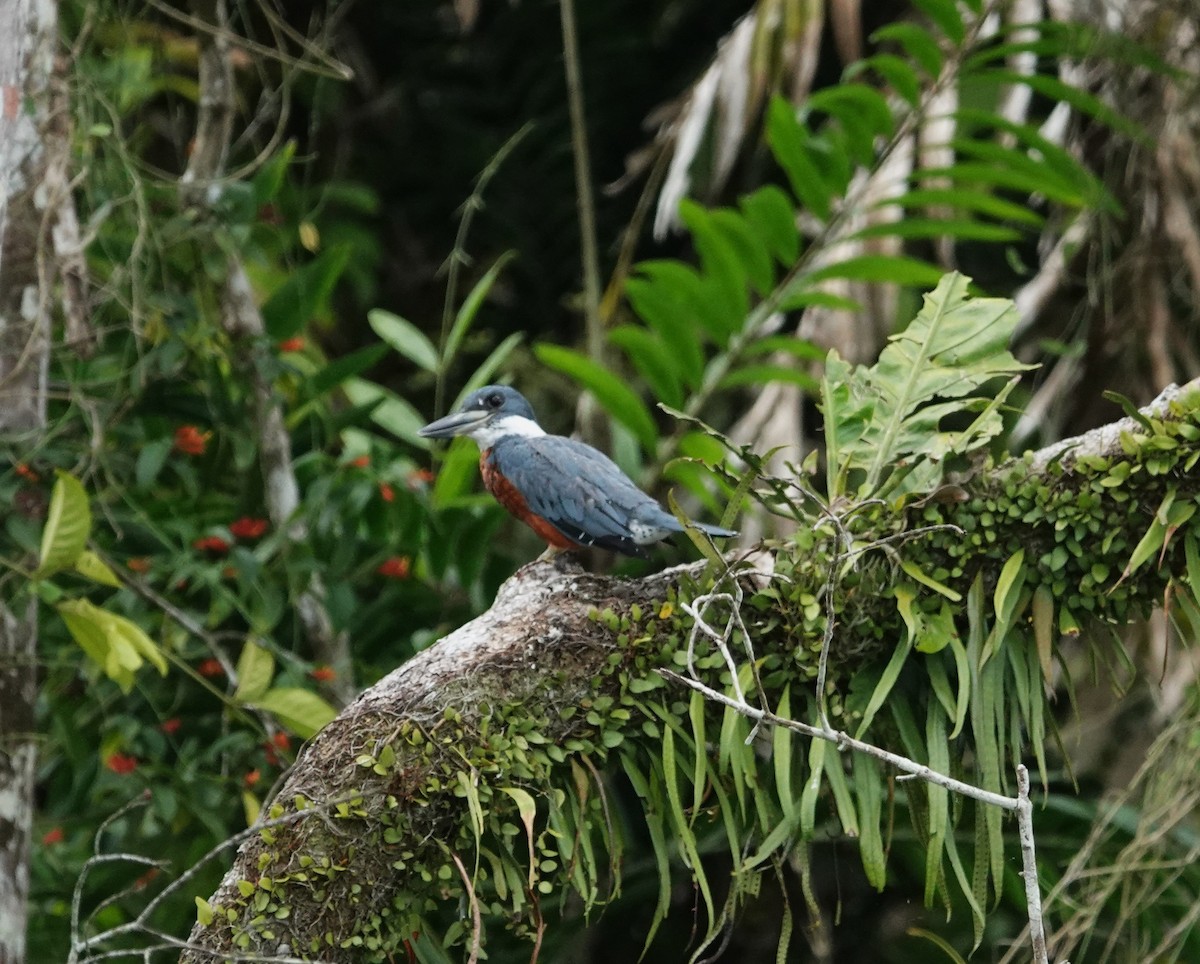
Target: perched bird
567	492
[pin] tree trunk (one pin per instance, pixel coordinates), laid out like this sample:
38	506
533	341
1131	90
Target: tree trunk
28	32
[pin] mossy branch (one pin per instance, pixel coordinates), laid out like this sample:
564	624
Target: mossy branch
459	752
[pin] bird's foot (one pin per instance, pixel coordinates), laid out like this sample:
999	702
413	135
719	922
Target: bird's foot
561	559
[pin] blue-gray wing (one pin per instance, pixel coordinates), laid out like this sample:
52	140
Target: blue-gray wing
577	489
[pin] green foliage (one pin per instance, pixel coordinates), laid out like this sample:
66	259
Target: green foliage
970	705
140	519
170	580
704	330
883	425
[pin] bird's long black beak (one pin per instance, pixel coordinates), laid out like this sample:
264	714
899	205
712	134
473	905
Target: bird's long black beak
457	423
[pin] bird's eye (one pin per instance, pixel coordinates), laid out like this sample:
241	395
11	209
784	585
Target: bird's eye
495	400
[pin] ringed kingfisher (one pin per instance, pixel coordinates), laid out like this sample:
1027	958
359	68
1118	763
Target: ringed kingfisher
569	493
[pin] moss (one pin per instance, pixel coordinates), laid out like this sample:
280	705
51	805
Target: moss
462	783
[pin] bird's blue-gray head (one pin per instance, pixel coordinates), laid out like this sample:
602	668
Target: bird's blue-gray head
488	414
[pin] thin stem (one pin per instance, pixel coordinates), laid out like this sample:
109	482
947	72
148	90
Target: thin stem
845	741
583	185
1033	894
458	257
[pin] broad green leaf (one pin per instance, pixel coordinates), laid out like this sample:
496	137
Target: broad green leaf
301	711
995	177
404	337
751	251
884	419
1058	91
251	807
800	348
790	143
724	279
798	298
812	786
868	786
917	43
68	524
388	410
204	912
304	293
891	672
456	473
896	72
466	313
1009	586
150	459
854	100
1043	623
255	668
1065	165
654	360
684	836
767	375
843	801
114	643
269	178
958	229
1152	542
337	371
863	115
966	199
130	633
527	808
669	297
91	566
466	784
1037	169
938	630
85	628
658	841
774	220
917	573
946	15
617	398
783	750
878	268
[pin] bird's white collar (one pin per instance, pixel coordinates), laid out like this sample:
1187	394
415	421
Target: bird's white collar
490	432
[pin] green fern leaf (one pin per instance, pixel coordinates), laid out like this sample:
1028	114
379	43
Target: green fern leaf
883	422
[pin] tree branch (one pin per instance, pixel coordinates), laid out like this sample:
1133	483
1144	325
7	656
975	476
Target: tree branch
504	700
